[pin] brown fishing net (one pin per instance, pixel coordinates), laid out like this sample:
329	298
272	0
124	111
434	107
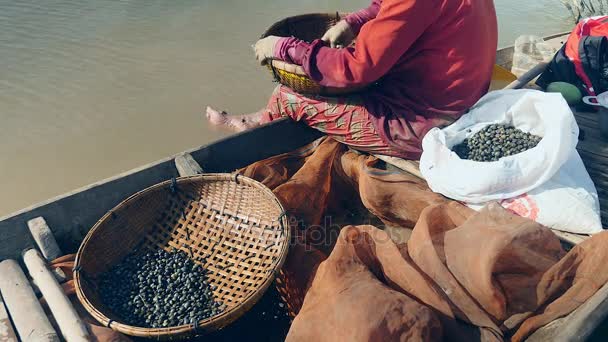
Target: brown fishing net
463	275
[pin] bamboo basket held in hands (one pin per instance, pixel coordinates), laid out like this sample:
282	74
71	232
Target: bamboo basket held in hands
307	27
234	223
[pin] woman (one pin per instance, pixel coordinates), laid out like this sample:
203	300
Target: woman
429	61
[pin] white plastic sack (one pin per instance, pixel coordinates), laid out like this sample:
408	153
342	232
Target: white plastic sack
567	202
528	52
547	183
543	114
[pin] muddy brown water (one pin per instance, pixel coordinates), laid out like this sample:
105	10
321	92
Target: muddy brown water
91	88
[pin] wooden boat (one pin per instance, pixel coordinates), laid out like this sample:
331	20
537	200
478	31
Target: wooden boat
72	214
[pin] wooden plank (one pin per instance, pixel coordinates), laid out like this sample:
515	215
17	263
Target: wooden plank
70	324
573	239
7	331
26	312
187	166
44	238
580	324
410	166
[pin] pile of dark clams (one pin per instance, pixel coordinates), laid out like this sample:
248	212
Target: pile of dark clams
494	142
159	289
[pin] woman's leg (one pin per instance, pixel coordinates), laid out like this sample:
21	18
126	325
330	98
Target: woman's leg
342	118
247	121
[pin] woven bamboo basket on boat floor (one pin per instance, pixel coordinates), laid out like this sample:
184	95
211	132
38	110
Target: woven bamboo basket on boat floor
233	223
307	27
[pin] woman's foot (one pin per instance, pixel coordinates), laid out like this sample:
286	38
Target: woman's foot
222	119
237	123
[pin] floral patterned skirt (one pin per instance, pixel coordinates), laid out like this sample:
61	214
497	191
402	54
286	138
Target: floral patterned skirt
343	118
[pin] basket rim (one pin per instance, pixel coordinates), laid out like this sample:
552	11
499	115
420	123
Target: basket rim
233	313
337	14
290	67
297	70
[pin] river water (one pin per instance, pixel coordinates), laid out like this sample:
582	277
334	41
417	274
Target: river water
91	88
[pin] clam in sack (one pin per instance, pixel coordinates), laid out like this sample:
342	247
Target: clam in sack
547	183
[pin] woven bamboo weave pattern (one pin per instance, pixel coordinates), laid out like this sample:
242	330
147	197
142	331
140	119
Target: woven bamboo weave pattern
234	227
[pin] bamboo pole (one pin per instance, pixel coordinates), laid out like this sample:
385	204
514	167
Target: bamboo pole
44	238
187	166
71	325
7	332
28	316
527	77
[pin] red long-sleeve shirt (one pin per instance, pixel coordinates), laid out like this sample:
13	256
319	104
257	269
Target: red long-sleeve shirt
430	60
357	19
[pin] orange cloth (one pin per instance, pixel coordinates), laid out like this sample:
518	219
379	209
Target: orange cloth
463	275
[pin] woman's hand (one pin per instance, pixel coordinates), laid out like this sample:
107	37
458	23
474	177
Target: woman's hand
264	48
339	35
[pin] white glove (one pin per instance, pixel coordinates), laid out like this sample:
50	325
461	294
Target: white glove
339	35
264	48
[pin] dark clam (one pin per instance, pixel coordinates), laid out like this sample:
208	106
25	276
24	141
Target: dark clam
494	142
159	289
